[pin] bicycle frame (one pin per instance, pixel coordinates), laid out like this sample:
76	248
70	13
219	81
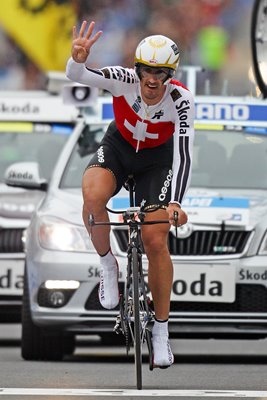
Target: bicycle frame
135	313
134	245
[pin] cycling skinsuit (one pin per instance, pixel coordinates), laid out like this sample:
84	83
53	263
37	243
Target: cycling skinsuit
154	143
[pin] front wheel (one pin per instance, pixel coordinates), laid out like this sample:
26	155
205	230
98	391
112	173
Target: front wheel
137	326
259	44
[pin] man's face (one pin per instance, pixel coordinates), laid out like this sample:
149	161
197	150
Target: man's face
152	83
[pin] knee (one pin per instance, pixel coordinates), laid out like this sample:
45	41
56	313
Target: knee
90	193
93	198
154	242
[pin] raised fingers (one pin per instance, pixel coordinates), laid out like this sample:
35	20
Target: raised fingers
83	27
74	33
88	34
96	36
90	29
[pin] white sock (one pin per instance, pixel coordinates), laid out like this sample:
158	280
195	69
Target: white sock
108	260
108	288
160	328
163	356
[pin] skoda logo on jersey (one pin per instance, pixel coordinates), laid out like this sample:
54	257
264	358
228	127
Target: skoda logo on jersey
184	231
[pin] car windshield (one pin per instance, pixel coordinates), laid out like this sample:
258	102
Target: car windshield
229	159
221	159
83	151
32	142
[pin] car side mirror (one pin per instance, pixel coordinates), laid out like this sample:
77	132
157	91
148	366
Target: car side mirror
25	175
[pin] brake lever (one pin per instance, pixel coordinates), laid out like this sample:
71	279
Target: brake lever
91	223
175	217
91	220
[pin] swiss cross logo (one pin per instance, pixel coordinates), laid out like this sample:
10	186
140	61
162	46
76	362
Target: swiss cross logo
139	131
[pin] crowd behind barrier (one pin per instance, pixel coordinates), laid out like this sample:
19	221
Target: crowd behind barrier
214	34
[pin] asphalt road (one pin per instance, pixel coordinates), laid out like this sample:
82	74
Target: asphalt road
203	368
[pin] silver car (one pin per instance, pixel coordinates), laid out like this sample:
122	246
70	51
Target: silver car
219	257
34	126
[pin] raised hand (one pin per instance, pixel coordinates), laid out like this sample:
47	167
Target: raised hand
83	41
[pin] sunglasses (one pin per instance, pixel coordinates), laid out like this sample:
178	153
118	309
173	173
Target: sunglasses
158	73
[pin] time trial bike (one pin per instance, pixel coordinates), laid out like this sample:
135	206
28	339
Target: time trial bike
136	308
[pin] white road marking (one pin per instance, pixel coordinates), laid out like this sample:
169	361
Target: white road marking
133	393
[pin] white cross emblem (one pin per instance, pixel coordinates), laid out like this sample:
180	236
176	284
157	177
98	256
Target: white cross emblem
139	131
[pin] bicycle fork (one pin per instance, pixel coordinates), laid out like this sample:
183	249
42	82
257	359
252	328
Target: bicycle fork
125	319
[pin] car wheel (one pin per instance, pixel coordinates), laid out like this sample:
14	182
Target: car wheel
38	343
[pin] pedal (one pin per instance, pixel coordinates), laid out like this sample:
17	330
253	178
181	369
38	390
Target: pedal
160	367
117	327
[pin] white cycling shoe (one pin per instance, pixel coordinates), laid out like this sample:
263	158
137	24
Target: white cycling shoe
162	354
108	291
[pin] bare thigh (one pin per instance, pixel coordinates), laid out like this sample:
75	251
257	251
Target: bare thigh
98	186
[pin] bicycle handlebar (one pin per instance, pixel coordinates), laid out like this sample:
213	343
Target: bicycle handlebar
132	209
114	223
128	213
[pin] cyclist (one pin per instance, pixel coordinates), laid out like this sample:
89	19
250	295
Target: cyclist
151	138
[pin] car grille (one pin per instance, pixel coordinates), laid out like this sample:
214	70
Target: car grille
249	299
199	243
10	240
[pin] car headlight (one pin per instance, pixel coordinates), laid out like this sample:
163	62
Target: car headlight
263	246
56	234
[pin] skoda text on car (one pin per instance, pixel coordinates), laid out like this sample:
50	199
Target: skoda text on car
33	127
220	255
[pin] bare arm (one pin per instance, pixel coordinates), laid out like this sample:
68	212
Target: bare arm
83	41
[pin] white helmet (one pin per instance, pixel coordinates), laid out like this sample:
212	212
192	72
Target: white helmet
157	51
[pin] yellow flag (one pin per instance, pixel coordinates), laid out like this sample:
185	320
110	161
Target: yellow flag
41	28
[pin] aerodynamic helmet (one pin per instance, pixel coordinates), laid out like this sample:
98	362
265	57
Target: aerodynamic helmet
157	51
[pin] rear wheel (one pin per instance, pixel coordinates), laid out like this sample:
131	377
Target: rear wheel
37	343
259	44
137	327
